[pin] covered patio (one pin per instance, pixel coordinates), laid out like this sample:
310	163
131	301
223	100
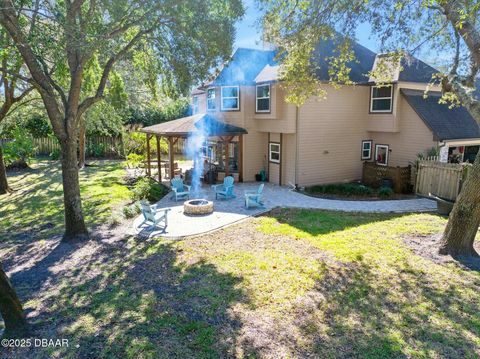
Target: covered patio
223	147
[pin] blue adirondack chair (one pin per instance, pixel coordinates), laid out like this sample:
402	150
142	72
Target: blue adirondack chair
254	198
224	190
153	215
180	190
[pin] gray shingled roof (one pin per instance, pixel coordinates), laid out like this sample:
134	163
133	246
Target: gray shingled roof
185	126
445	123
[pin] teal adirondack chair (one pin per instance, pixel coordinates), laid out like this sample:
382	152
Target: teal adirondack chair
180	190
153	215
224	190
254	198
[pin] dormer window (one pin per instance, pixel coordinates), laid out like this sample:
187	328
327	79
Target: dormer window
263	98
211	99
195	104
381	99
230	96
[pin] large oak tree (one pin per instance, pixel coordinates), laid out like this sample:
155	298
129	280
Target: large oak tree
61	37
448	29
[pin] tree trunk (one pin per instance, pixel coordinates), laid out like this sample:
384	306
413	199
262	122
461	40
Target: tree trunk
81	144
75	228
3	175
11	309
464	220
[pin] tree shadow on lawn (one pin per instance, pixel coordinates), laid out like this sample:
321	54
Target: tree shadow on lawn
318	222
35	211
132	299
406	313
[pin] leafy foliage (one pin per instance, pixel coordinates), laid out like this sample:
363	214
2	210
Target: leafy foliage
345	189
38	126
147	188
20	150
385	192
154	114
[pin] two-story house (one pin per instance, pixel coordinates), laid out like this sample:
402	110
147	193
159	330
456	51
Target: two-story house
327	140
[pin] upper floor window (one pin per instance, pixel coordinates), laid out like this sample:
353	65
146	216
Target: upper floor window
211	99
230	98
381	98
263	98
195	104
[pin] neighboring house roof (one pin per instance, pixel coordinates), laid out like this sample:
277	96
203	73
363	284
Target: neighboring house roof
268	74
244	67
445	123
185	126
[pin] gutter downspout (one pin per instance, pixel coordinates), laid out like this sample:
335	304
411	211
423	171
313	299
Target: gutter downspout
296	146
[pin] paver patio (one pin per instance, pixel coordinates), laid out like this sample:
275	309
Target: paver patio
233	210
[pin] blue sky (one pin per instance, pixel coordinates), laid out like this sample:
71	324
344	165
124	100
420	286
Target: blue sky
249	35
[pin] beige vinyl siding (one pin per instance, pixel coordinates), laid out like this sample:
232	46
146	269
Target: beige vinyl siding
288	158
414	137
329	134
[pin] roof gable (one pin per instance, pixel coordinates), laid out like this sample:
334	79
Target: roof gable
445	123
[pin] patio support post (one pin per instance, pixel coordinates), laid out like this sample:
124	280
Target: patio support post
159	163
171	142
227	156
240	158
171	158
149	172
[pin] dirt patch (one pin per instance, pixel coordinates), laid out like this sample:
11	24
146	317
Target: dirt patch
428	247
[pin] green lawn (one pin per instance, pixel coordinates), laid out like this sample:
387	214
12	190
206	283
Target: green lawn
290	284
37	203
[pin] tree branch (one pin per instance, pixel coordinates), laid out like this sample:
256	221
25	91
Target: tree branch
106	72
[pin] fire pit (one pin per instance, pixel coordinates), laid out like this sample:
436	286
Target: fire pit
197	207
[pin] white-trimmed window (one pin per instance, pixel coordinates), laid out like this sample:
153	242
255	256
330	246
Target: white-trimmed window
381	155
381	99
367	150
195	104
274	152
230	96
211	105
263	98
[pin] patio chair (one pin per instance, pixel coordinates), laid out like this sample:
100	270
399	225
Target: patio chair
179	189
224	190
154	215
254	198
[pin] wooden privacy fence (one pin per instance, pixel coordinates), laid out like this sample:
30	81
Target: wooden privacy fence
108	146
441	179
373	175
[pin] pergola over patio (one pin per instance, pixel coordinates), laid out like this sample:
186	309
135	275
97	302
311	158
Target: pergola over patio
184	128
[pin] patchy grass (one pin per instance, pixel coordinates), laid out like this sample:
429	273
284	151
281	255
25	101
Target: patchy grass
37	203
290	284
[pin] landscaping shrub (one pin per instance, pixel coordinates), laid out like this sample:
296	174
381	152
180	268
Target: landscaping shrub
95	149
385	192
131	210
55	154
19	151
147	188
344	189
